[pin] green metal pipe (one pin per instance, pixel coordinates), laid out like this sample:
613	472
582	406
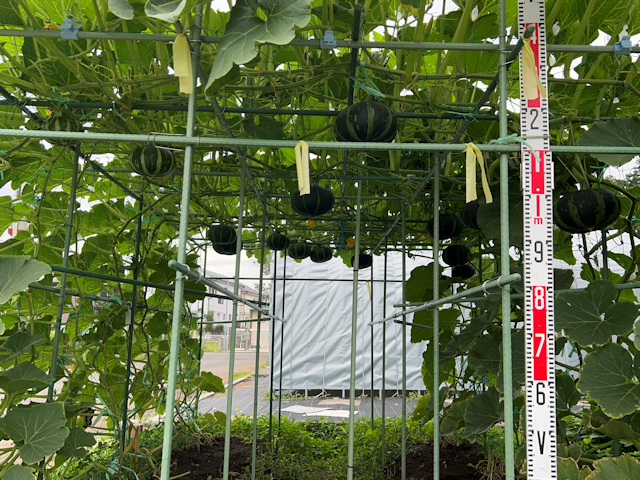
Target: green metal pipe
69	293
312	43
200	348
174	352
436	324
403	461
234	324
284	283
272	308
313	145
505	259
383	395
373	392
354	335
63	278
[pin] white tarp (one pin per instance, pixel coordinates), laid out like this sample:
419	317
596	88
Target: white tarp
317	336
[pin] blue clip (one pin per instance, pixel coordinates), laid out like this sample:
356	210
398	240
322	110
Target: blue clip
328	40
623	47
68	31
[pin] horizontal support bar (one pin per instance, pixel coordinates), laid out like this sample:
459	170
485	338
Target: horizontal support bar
194	275
320	145
313	43
411	324
237	321
489	284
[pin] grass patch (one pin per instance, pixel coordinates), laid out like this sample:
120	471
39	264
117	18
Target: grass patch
211	347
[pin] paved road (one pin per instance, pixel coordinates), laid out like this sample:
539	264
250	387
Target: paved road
218	363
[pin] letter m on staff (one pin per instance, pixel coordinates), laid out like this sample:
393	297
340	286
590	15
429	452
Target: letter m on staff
537	221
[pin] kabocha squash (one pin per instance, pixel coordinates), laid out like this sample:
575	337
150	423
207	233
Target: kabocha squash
366	122
469	214
455	255
277	241
321	254
586	210
222	234
152	161
299	250
463	271
62	123
318	202
226	249
364	261
450	226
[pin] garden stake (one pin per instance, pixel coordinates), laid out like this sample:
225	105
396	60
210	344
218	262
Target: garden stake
383	395
403	470
373	394
271	346
284	281
436	323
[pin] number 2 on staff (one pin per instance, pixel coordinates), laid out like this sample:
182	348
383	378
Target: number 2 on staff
538	298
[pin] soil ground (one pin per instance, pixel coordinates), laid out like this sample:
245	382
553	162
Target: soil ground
206	462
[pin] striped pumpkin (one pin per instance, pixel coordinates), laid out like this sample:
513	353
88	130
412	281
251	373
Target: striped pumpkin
299	250
455	255
317	202
469	214
222	234
450	226
277	241
364	261
60	123
151	161
226	249
366	122
321	254
587	210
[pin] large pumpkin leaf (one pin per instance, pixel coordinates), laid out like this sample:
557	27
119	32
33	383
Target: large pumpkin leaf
607	377
9	14
121	8
617	132
246	29
19	472
18	343
481	413
636	333
566	393
38	428
23	377
580	314
210	382
568	469
16	273
74	445
448	319
485	356
615	468
517	360
489	220
167	10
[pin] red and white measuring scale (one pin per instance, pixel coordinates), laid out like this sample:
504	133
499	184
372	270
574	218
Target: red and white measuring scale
537	190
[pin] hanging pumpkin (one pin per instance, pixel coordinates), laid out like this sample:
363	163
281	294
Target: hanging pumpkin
469	214
299	250
463	271
318	202
455	255
586	210
366	122
226	249
277	241
450	226
62	123
151	161
364	260
222	234
321	254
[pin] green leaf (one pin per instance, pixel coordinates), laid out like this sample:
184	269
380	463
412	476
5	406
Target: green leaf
8	14
167	10
268	128
453	417
17	273
38	428
617	132
481	413
485	356
469	334
566	393
246	28
18	343
448	320
210	382
121	8
19	472
517	360
568	469
579	314
23	377
615	468
489	220
607	377
636	333
74	445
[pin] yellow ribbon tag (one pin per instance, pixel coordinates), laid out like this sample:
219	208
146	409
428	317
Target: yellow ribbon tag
531	83
475	155
182	63
302	166
369	288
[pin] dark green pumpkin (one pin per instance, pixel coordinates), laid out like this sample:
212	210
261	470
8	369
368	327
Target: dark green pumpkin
222	234
321	254
450	226
152	161
277	241
226	249
463	271
366	122
469	214
62	123
455	255
364	260
588	210
299	250
318	202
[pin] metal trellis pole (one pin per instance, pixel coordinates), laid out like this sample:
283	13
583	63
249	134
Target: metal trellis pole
383	395
436	324
272	309
403	474
284	282
373	394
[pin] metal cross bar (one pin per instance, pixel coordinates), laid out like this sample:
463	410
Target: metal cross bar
489	284
197	276
411	324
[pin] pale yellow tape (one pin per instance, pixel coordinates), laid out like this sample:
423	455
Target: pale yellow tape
531	83
302	167
473	155
182	63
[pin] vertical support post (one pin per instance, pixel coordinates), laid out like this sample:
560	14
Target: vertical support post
234	317
504	248
202	317
605	276
272	309
53	371
403	462
383	394
436	321
354	330
373	392
132	321
176	323
284	282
